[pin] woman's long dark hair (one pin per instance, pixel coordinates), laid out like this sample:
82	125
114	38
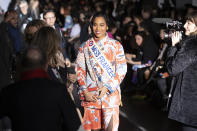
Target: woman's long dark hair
37	23
142	34
49	41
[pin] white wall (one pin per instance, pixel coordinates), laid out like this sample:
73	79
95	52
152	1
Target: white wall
4	4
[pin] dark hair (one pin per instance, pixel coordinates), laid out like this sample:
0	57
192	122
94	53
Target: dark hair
141	33
99	14
47	11
75	17
37	23
9	11
33	57
48	40
65	5
147	8
193	18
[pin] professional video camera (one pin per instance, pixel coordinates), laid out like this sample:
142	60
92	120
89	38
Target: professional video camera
172	27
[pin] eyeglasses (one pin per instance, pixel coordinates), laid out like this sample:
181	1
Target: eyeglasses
49	18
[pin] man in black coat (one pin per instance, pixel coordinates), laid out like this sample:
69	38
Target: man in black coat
37	103
8	29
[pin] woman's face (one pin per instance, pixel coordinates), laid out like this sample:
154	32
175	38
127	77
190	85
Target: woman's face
137	21
24	7
138	40
190	27
82	17
61	10
99	27
126	20
162	34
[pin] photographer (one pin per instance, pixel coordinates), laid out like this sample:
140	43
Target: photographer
181	64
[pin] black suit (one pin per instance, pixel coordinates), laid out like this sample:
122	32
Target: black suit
63	44
39	104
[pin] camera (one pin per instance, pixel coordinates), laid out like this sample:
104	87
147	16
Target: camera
172	27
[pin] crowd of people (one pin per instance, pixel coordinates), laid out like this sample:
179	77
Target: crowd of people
97	46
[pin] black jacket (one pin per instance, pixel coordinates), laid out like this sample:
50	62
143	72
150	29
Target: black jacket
148	51
182	64
6	55
63	44
39	104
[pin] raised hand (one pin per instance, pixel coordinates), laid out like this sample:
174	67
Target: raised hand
176	37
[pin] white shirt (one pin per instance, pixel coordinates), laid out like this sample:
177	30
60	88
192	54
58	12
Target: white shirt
76	29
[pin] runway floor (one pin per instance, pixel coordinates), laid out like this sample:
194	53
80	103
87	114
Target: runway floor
141	114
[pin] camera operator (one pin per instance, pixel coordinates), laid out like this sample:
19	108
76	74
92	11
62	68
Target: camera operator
181	64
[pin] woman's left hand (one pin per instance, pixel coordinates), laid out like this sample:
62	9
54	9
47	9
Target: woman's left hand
102	91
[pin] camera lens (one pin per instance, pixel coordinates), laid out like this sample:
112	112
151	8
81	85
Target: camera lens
168	35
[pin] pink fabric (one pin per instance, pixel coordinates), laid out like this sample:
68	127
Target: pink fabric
110	35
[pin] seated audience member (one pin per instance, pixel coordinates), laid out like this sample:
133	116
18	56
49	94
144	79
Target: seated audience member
37	103
146	53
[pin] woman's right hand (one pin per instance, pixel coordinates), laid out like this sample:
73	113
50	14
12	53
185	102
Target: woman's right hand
89	96
176	37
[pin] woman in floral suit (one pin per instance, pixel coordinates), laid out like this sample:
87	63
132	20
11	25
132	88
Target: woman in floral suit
101	67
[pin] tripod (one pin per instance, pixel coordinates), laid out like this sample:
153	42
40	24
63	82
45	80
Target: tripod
155	64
